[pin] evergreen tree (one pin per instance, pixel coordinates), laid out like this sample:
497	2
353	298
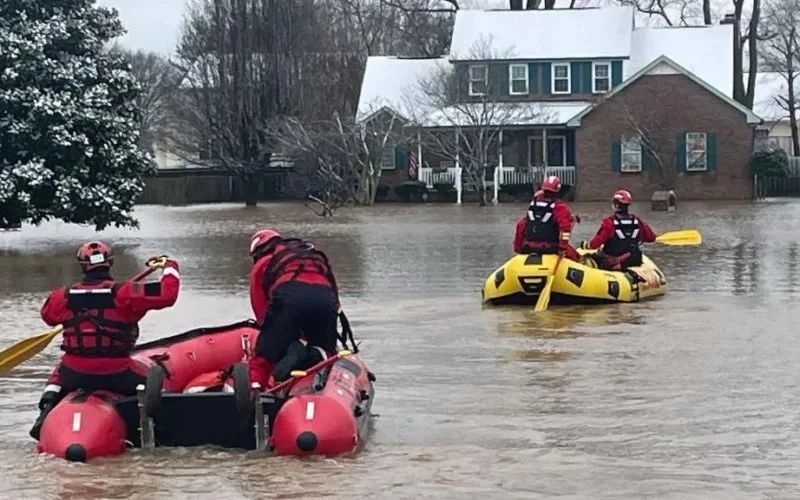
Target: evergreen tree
68	123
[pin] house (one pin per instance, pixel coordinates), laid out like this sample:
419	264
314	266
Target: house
618	106
770	89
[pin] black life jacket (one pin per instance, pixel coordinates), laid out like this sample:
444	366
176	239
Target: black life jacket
290	251
541	226
626	234
95	329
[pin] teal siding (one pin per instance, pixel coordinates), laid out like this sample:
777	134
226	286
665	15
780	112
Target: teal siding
616	73
575	77
534	77
546	77
498	79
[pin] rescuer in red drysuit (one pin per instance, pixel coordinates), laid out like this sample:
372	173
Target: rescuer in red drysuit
100	319
546	228
620	236
294	296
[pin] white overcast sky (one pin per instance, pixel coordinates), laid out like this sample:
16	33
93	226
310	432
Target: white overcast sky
152	24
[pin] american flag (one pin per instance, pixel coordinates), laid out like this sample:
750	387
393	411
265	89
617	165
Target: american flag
412	165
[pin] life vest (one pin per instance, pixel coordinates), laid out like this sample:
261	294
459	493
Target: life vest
95	329
291	259
541	226
626	234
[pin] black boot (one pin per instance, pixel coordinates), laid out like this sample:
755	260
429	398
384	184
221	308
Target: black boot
298	357
37	426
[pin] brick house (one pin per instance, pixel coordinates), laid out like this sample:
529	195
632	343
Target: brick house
637	108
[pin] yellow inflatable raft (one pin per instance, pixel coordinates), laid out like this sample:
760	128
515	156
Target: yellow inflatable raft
522	278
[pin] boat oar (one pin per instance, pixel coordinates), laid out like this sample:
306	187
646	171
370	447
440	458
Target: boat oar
24	350
684	237
300	374
543	301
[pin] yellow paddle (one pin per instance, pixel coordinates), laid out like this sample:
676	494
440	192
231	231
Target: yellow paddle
682	238
543	301
24	350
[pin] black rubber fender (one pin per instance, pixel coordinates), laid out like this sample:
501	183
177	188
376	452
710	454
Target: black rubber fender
152	390
241	389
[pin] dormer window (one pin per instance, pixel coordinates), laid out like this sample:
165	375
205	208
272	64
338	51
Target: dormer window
518	79
601	77
561	78
478	79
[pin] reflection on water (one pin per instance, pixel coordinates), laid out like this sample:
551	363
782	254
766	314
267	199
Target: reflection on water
689	396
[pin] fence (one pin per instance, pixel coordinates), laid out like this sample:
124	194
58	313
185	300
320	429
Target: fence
779	186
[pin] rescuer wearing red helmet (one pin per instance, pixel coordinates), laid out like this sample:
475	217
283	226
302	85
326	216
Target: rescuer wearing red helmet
620	236
546	228
100	318
295	298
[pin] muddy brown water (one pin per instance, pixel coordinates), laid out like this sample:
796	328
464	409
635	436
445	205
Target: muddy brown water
691	396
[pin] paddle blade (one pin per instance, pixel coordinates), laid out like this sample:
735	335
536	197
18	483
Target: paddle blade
684	238
26	349
544	298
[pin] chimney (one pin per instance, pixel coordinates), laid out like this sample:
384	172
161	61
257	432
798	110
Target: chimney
516	4
728	19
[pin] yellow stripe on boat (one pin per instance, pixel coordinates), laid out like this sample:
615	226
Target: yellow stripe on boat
522	278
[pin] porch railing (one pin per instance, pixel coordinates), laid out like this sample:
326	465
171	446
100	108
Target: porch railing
505	175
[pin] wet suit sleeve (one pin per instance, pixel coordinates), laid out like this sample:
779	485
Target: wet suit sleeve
519	234
646	233
604	233
564	220
54	310
138	298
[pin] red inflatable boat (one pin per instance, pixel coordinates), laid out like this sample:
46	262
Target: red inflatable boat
320	411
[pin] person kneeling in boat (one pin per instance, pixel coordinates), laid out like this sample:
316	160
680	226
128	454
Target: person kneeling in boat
100	319
546	228
620	236
295	298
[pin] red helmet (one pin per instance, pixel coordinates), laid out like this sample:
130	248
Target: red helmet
260	240
623	197
95	254
551	183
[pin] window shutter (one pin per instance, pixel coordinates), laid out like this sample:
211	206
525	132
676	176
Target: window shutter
711	150
400	158
680	152
616	156
647	158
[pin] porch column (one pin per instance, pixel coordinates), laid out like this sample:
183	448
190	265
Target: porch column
458	171
419	155
544	152
498	170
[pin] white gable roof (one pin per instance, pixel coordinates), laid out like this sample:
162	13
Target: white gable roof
544	34
768	87
706	51
393	82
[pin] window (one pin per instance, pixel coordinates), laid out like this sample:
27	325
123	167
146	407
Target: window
518	79
696	149
631	154
561	78
601	77
478	79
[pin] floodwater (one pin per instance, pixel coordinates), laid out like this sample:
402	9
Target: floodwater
691	396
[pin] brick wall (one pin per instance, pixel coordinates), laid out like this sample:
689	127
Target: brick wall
673	104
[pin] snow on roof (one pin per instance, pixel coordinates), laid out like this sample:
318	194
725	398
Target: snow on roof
393	82
543	34
706	51
768	86
508	114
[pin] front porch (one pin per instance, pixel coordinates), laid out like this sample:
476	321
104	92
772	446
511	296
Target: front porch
525	158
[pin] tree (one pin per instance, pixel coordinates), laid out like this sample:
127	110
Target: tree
159	80
70	124
340	159
781	54
466	129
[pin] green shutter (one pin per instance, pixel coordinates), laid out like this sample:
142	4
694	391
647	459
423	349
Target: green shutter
647	155
711	150
575	78
616	156
400	158
546	68
616	73
498	79
586	78
680	152
533	77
